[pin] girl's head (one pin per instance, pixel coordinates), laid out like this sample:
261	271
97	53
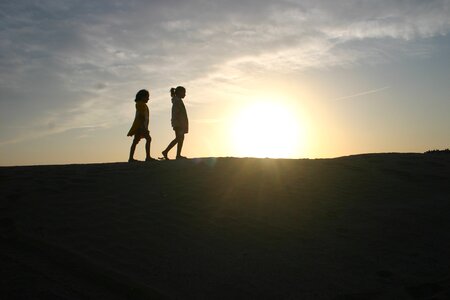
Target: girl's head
179	92
142	95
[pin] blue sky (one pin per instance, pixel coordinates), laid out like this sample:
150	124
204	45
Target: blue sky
369	76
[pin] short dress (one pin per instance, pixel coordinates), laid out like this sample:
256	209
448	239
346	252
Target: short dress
141	120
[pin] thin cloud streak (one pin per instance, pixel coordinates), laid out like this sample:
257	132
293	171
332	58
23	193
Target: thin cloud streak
208	121
374	91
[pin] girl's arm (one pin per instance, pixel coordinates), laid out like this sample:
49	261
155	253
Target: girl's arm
175	114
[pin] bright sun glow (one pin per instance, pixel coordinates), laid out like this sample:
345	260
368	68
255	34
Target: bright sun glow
267	129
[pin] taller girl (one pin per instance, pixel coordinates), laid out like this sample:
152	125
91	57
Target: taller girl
179	120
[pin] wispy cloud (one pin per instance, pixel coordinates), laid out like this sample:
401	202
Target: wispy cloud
365	93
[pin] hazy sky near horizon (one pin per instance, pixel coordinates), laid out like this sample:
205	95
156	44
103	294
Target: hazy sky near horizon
358	76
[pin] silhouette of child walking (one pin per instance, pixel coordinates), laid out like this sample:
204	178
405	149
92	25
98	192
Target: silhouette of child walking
179	121
140	125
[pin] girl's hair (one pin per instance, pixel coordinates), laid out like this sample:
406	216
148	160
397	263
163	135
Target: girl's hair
141	94
173	91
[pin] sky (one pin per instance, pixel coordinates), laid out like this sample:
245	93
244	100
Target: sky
296	79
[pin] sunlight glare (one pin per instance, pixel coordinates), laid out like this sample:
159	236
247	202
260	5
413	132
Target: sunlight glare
266	129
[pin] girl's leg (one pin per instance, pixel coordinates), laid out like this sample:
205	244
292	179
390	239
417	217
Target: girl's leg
133	148
172	143
180	139
147	147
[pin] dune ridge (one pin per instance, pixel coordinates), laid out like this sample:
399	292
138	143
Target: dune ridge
373	226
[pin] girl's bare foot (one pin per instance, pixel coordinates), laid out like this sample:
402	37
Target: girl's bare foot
164	153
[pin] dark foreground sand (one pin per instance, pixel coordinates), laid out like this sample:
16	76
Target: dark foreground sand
360	227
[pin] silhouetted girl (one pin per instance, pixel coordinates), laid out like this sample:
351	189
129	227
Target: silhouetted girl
140	125
179	120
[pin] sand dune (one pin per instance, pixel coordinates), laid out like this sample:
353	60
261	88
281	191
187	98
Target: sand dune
373	226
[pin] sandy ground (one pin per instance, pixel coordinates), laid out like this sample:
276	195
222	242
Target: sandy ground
371	226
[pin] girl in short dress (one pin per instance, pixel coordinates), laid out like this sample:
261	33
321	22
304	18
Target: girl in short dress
139	129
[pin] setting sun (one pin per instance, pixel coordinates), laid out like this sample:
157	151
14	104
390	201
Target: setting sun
267	129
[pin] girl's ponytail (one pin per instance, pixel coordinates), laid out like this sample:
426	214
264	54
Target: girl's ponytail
172	92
